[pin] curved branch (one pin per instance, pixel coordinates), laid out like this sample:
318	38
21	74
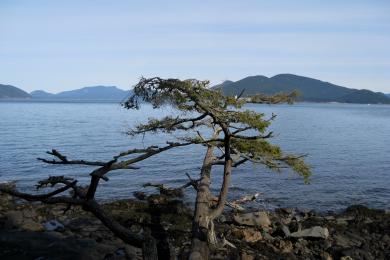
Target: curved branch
38	197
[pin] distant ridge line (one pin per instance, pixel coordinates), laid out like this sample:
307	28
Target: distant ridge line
311	90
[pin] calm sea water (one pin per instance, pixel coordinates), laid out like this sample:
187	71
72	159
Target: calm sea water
348	147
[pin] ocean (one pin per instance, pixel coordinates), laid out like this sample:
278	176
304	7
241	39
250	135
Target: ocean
348	148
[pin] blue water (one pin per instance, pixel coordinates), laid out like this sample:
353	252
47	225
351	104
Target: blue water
348	147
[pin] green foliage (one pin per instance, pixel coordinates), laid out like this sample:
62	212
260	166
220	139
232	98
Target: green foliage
249	118
242	131
261	151
275	99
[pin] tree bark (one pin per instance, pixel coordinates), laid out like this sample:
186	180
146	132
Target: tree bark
224	190
199	247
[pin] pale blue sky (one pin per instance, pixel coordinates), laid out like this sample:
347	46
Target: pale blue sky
63	45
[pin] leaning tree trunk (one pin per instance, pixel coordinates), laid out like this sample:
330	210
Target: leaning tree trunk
199	247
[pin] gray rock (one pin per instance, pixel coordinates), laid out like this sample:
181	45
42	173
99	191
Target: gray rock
286	231
343	220
133	252
346	242
314	232
268	237
53	225
259	218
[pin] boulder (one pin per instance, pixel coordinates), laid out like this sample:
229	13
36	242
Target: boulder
314	232
248	235
259	218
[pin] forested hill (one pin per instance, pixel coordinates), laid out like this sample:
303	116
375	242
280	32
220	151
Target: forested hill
310	89
11	92
97	93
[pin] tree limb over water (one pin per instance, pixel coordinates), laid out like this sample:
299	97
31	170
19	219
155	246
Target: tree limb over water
231	136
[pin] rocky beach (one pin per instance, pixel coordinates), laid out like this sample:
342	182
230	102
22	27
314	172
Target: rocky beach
38	231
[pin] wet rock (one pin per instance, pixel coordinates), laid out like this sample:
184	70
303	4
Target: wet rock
259	218
314	232
139	195
53	225
286	211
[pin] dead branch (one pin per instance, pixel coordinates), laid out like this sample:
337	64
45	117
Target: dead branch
63	160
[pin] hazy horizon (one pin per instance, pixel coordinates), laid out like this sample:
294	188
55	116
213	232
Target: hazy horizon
60	46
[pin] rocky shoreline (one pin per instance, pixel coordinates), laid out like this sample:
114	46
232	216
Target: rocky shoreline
37	231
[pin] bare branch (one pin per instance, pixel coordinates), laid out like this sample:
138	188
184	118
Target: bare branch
241	93
38	197
89	205
63	160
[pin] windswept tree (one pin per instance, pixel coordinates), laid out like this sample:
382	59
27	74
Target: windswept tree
231	136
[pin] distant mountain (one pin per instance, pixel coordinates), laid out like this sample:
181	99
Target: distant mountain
366	97
96	93
224	84
40	94
388	95
310	89
11	92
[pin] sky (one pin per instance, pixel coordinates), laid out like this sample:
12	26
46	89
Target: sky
64	45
